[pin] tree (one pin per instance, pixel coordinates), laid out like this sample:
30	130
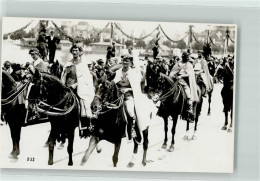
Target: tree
231	48
197	46
5	36
140	44
216	49
181	44
167	43
129	43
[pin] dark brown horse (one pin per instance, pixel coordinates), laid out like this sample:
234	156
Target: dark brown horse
110	124
52	98
227	92
173	103
13	112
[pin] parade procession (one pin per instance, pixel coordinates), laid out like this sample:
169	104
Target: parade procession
86	94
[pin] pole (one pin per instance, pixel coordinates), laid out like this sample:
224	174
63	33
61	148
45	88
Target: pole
111	35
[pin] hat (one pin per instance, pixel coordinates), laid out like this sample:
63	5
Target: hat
128	57
16	67
7	63
100	61
33	51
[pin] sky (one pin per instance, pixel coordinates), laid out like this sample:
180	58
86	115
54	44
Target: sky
173	30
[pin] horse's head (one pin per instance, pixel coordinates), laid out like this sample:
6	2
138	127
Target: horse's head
56	69
45	87
8	84
100	95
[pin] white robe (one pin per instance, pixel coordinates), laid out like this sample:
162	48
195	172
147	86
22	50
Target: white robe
142	107
85	86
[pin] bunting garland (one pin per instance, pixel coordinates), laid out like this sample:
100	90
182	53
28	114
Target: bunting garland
212	42
134	38
64	34
21	29
101	31
174	41
197	39
230	39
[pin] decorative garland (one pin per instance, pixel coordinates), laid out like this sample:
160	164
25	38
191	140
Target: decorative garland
134	38
174	41
64	34
197	39
21	29
212	42
101	31
230	38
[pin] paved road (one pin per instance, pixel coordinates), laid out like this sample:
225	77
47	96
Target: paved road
212	151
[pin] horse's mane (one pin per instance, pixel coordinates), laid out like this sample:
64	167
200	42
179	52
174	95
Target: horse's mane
54	78
10	78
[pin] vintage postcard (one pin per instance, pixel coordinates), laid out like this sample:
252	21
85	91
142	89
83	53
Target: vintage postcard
80	94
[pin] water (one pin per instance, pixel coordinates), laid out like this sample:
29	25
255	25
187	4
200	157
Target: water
18	54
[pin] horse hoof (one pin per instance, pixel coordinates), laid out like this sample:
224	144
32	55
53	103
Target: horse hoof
186	137
130	165
171	149
164	146
50	162
70	163
193	137
61	146
229	130
144	163
209	114
99	150
224	128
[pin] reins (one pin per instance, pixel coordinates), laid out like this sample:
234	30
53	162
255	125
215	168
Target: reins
14	96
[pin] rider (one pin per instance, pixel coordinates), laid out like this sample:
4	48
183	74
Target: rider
184	72
201	68
128	81
37	62
76	75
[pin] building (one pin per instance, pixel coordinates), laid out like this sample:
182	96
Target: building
28	42
101	47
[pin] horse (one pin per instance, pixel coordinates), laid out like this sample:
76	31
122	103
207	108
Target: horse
60	103
227	93
110	124
56	69
13	112
173	103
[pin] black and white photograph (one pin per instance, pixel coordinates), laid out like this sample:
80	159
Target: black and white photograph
81	94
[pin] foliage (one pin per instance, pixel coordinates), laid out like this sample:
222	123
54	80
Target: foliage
140	44
129	43
181	45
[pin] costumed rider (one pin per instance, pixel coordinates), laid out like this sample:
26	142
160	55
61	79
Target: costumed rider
77	76
41	66
183	71
128	82
201	68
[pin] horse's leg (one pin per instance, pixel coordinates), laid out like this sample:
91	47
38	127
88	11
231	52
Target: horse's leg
196	120
116	151
209	109
231	122
70	147
174	119
92	145
98	148
51	150
145	145
165	119
132	162
226	121
186	136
